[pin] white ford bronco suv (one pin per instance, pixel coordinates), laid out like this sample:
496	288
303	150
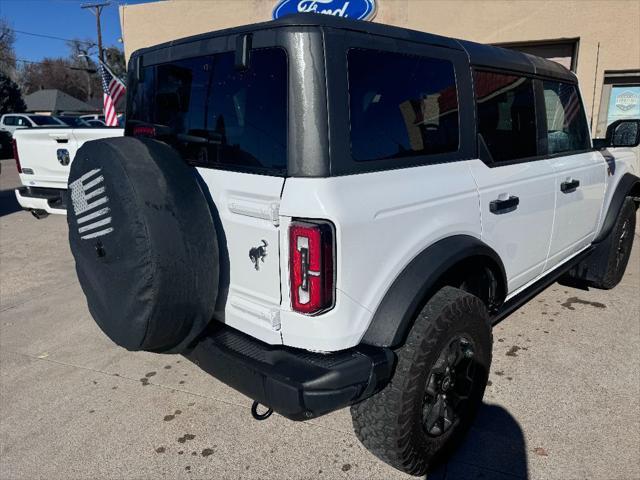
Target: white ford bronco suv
324	213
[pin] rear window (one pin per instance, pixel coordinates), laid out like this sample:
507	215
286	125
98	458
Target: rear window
401	105
216	115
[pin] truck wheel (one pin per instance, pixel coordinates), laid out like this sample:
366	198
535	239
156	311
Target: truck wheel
619	246
438	384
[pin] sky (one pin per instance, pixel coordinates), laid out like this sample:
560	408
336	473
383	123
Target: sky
58	18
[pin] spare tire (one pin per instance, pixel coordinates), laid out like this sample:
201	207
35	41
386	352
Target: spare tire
144	242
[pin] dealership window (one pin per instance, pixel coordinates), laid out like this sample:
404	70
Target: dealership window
506	115
563	51
401	105
567	128
620	98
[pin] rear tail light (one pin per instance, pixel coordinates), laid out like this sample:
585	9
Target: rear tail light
144	131
311	260
16	157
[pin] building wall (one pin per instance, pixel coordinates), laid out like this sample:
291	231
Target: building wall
608	30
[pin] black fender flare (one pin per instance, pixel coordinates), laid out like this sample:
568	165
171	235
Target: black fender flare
626	184
394	316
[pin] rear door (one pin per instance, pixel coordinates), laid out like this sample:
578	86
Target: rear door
517	186
580	171
230	123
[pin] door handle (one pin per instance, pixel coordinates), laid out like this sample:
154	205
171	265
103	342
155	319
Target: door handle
570	185
500	206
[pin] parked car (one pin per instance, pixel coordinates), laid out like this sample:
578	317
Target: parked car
96	123
15	121
73	121
336	213
93	116
5	144
43	157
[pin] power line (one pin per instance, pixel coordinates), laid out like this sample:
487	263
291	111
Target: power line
53	37
90	70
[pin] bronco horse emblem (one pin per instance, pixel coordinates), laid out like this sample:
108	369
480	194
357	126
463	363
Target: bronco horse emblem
257	254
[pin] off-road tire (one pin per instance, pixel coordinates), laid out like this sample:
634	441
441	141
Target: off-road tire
619	246
389	424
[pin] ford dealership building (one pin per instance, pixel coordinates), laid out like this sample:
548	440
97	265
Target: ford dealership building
598	40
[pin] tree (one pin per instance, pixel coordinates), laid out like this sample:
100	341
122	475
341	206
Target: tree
55	73
80	56
7	54
114	57
10	96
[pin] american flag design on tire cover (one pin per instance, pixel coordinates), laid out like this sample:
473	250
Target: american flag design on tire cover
91	205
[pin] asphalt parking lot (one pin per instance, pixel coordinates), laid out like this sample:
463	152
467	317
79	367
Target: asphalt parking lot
563	403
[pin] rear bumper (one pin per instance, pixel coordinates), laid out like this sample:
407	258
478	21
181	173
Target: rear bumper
296	383
51	200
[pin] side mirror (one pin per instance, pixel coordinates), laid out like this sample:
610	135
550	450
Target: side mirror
623	133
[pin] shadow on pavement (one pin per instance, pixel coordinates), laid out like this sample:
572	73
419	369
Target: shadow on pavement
493	449
8	203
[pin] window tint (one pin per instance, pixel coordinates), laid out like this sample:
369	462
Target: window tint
506	115
215	114
22	122
567	128
9	120
401	105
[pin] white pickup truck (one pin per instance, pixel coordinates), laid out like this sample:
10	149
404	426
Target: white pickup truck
43	157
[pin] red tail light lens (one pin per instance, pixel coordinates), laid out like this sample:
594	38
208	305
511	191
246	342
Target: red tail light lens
311	266
16	157
144	131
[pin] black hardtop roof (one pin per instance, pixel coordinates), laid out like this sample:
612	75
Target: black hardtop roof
480	55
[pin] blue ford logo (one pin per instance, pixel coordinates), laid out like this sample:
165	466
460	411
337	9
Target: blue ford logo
354	9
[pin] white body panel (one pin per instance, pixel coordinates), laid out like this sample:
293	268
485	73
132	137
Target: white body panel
38	151
520	237
383	220
577	213
247	207
622	160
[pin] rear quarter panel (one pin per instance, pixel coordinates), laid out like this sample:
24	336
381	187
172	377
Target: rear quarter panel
383	220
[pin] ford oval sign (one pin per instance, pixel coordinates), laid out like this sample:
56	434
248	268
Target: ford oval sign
354	9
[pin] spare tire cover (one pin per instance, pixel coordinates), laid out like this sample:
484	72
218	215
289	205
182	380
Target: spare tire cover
144	242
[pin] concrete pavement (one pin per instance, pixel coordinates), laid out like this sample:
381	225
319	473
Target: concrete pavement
564	399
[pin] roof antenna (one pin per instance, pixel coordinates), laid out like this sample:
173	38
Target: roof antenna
595	79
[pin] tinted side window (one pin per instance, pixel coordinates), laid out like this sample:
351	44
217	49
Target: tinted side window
9	120
567	128
401	105
506	115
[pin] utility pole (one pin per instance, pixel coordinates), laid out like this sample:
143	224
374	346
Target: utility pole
96	9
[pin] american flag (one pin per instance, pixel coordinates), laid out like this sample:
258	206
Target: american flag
113	89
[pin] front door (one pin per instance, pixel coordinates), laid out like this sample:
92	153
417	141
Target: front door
580	172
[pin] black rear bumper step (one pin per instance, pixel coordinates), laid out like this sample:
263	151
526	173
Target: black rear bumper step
296	383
